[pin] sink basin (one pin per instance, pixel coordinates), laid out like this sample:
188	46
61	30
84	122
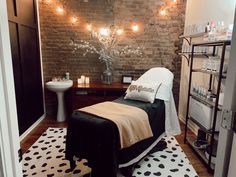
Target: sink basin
60	87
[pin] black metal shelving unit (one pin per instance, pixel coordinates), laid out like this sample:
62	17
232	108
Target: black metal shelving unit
188	39
214	105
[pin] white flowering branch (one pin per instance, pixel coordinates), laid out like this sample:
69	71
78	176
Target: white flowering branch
108	49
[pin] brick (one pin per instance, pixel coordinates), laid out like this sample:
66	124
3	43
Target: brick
158	36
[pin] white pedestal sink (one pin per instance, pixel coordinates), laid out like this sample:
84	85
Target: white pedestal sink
60	87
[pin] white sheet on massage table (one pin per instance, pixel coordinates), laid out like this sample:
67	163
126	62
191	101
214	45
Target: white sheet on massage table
164	75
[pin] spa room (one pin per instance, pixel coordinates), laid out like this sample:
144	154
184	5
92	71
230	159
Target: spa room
117	88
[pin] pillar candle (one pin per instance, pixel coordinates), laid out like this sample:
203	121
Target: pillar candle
79	81
83	79
87	80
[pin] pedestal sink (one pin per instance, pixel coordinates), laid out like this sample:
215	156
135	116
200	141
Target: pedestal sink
60	87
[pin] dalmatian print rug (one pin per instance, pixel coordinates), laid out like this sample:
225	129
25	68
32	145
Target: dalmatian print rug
46	158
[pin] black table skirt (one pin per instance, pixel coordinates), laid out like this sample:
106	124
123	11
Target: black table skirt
97	139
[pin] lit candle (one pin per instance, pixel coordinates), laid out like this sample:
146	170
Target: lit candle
82	79
79	81
87	80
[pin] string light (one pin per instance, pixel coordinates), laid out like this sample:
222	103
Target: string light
119	31
135	28
104	32
89	27
48	1
163	12
60	10
74	20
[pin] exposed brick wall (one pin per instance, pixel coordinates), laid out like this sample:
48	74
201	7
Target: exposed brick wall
158	35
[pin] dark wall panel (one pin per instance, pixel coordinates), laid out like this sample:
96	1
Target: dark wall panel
27	11
13	27
31	72
11	8
26	61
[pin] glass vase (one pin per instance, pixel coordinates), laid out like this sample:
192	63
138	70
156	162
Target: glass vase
107	75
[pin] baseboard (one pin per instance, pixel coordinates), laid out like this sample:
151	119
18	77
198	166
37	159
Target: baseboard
32	127
191	125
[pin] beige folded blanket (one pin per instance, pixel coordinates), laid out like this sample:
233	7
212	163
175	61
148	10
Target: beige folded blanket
132	122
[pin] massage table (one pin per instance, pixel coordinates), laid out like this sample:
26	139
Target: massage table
97	139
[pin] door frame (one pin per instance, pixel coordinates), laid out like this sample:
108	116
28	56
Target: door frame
225	146
9	134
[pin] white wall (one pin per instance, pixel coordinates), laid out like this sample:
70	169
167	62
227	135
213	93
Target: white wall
198	12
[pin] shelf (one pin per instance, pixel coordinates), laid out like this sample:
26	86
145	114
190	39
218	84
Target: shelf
200	126
213	43
203	100
193	35
200	152
187	55
197	55
209	132
209	72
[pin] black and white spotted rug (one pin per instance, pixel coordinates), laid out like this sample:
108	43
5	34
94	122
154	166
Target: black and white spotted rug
46	158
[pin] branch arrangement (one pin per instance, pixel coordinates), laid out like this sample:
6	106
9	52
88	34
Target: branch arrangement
107	40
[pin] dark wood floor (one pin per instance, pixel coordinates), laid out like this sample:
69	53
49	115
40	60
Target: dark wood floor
50	122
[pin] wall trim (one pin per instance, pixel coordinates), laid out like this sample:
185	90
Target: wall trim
9	133
41	55
191	125
32	127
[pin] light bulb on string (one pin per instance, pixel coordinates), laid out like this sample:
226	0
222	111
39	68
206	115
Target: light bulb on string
74	19
119	31
104	32
48	1
135	28
163	12
60	10
89	27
